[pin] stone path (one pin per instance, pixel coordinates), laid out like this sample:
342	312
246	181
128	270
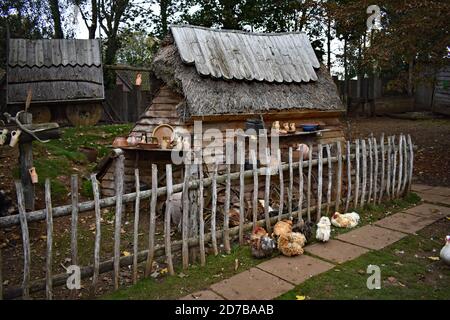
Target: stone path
272	278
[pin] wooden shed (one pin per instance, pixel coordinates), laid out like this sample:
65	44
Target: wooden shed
224	78
65	76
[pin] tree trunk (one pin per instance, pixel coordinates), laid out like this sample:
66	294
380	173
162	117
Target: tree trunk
93	28
56	15
346	80
410	77
329	45
164	15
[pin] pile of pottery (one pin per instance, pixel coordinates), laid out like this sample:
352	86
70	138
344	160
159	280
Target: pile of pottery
15	134
287	127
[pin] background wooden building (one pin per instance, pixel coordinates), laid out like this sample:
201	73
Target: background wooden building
65	76
225	78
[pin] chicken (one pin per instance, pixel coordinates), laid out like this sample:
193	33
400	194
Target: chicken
306	228
348	220
291	244
234	215
261	244
445	252
282	227
323	229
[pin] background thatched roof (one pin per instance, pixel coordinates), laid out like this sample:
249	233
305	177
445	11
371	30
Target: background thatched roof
206	96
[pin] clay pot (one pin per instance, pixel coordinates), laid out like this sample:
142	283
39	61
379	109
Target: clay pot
33	175
15	137
120	142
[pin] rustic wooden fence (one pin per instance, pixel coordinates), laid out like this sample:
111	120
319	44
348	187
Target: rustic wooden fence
359	173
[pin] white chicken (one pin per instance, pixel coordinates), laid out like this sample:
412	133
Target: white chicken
348	220
445	252
323	229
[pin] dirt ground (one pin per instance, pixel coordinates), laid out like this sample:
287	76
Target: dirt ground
432	137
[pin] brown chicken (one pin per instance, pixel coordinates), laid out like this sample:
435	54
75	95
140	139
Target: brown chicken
291	244
282	228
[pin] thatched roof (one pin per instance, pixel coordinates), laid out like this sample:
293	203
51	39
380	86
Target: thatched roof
207	95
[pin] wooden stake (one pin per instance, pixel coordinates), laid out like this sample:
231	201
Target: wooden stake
185	217
98	231
406	164
119	174
389	167
339	177
226	219
309	183
383	168
49	260
349	177
394	169
357	174
255	188
291	183
319	185
74	225
300	187
369	198
364	172
411	162
201	216
214	211
25	241
168	213
375	181
280	171
136	225
330	178
152	222
242	196
267	193
400	164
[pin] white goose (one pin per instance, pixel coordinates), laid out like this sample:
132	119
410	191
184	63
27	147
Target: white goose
445	252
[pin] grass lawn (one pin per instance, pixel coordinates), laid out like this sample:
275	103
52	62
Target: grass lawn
408	271
223	266
61	158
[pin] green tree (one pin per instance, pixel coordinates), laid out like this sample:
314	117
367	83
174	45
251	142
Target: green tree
137	49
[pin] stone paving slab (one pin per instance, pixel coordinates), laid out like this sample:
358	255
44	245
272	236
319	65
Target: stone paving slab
405	222
203	295
430	211
295	269
434	198
420	187
336	251
253	284
372	237
440	191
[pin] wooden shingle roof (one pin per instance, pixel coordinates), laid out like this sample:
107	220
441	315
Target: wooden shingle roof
238	55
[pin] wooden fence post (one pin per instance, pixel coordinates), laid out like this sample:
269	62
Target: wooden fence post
375	187
369	197
201	217
400	164
281	177
185	216
383	168
330	178
214	211
168	213
411	162
98	228
357	173
394	169
49	260
267	192
291	184
389	167
226	218
255	188
406	164
300	187
119	174
25	240
152	222
309	183
241	194
349	177
339	177
364	172
26	163
74	225
319	186
136	225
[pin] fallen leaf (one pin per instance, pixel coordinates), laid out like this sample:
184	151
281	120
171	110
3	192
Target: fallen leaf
163	271
182	275
126	253
300	298
392	279
434	258
448	218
